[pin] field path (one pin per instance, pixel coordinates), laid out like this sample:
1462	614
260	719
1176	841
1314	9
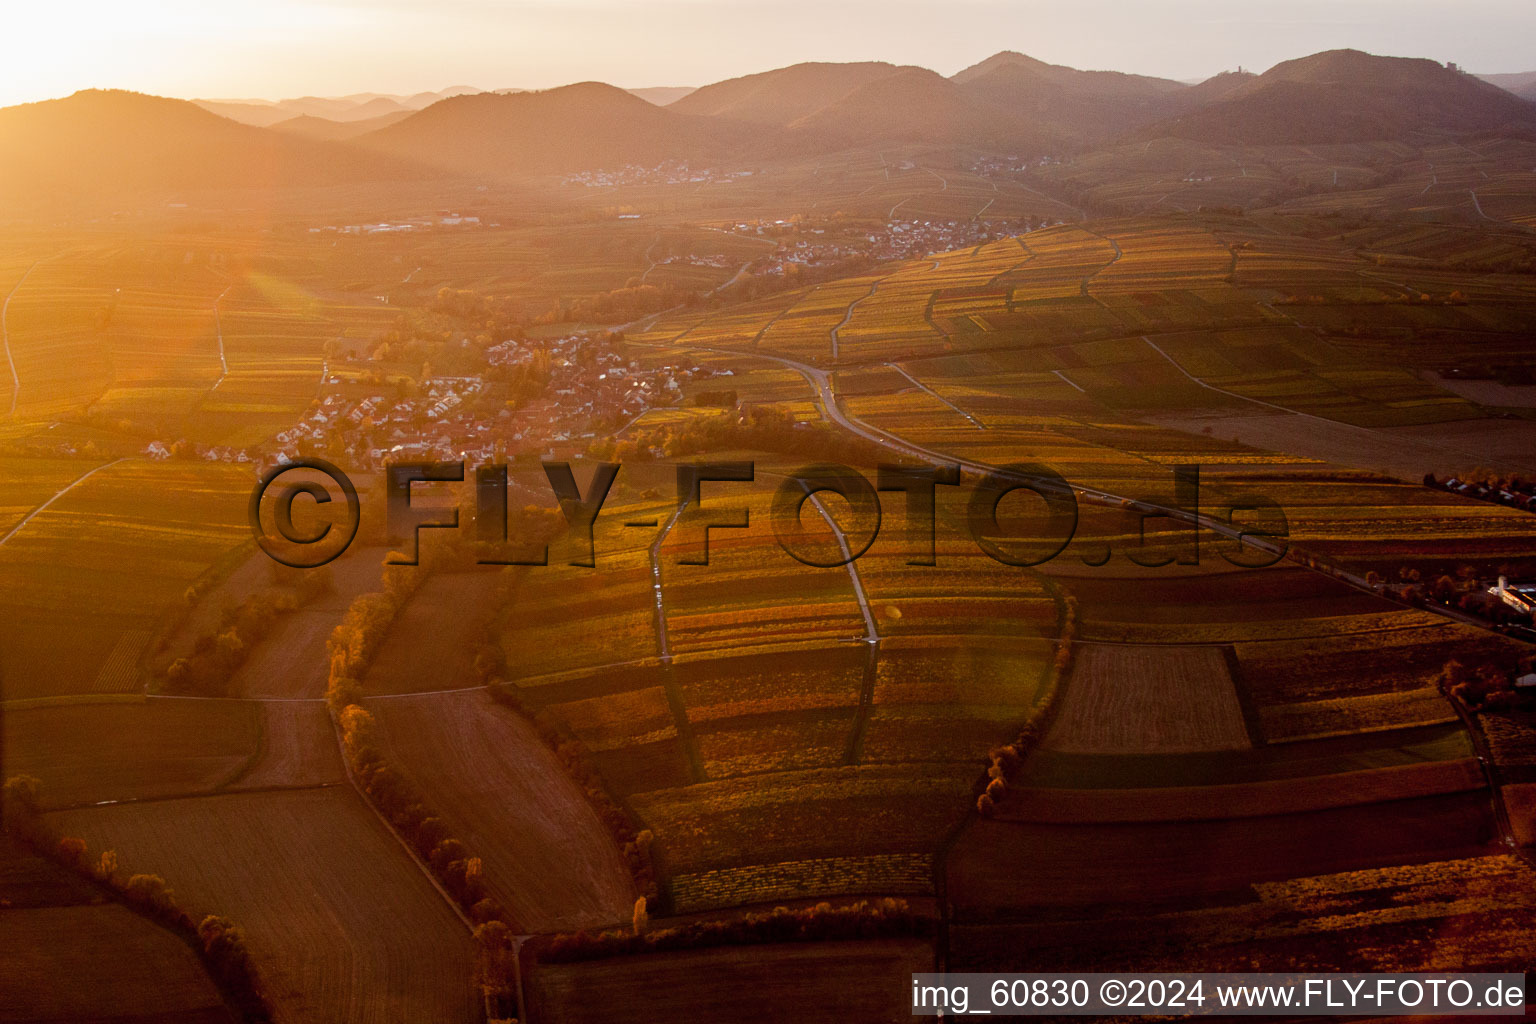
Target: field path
5	335
1088	278
82	478
928	390
848	315
943	187
680	720
854	751
650	263
218	331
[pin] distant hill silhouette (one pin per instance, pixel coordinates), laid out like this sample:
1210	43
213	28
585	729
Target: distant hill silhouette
1349	96
588	125
913	105
360	106
97	144
782	96
324	129
1520	84
662	95
1065	103
1009	101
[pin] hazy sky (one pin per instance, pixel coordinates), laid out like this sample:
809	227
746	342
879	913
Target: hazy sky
281	48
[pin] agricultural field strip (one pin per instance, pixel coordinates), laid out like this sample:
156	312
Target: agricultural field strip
57	495
5	336
1367	431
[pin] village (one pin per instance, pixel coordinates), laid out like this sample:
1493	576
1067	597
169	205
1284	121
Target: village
585	388
834	241
668	173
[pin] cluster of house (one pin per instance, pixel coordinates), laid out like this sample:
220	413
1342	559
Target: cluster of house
445	219
589	387
718	261
1003	166
830	243
1519	596
671	172
211	453
1483	492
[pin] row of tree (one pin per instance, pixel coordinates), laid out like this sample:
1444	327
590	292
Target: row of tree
218	943
353	645
1488	686
356	640
866	919
1005	761
217	653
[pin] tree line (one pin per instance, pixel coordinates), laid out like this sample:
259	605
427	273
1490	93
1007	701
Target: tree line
1005	761
219	944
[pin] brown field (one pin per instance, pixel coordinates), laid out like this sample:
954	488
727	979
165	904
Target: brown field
1008	864
88	963
1351	715
1467	914
832	982
1401	452
1504	445
298	747
341	923
433	643
1520	803
291	661
1241	800
65	955
84	753
1149	700
501	791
